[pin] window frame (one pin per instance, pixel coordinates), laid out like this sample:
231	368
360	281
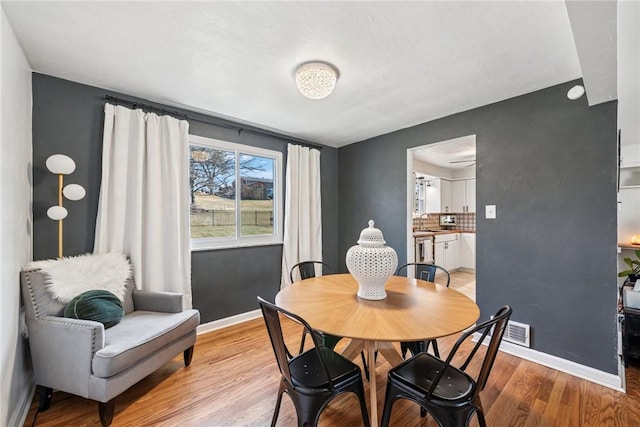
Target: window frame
211	243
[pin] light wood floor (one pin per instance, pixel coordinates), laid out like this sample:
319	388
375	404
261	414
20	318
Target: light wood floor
233	381
464	282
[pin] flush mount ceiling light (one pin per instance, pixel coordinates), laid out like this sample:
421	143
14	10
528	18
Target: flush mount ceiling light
575	92
316	80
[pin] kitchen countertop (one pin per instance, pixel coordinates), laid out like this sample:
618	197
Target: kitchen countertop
625	245
425	233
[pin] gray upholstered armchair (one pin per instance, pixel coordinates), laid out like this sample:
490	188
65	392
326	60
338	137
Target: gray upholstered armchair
83	358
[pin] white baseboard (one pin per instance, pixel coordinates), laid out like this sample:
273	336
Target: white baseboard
597	376
19	416
229	321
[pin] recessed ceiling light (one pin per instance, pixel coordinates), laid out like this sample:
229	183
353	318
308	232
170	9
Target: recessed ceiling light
575	92
316	80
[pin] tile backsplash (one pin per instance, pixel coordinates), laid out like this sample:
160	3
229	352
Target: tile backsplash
466	221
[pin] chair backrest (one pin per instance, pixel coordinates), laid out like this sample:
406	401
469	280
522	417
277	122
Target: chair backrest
425	271
307	269
496	327
38	300
271	314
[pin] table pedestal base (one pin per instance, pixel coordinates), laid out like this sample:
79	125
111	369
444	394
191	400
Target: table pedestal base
387	350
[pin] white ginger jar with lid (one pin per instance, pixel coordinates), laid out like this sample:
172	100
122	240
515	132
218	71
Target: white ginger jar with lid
371	263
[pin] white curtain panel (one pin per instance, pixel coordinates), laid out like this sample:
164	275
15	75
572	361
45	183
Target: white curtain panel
303	210
143	210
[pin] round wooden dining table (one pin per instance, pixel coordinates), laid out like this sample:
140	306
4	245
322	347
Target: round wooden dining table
414	310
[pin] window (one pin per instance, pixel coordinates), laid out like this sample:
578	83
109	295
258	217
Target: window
236	194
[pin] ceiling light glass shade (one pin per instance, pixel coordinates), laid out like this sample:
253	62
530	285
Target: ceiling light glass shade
60	164
73	191
316	80
57	213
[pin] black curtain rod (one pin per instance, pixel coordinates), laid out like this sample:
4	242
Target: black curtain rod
177	114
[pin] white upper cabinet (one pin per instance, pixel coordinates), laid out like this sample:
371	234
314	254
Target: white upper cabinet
438	195
445	196
463	195
470	191
458	197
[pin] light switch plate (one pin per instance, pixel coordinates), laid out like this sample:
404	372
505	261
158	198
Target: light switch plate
490	211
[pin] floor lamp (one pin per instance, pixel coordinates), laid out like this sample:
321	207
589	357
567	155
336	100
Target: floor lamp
62	165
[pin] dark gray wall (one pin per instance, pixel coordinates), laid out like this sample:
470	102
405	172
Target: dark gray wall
546	162
68	118
549	164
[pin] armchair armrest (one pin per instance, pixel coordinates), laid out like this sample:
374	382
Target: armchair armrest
62	350
166	302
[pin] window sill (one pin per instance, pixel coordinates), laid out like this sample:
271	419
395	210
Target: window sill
236	245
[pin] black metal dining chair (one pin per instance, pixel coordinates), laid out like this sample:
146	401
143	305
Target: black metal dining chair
307	270
425	271
428	272
312	378
449	393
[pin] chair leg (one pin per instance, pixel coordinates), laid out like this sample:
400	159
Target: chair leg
304	335
423	412
480	412
403	350
105	410
481	419
276	411
308	408
413	348
434	344
453	417
46	394
188	355
390	397
358	389
364	365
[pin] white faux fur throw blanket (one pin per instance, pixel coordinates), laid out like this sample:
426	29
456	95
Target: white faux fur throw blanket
71	276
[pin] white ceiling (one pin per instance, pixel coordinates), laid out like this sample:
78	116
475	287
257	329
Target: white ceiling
401	63
461	151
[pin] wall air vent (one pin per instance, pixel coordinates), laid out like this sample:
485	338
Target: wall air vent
518	333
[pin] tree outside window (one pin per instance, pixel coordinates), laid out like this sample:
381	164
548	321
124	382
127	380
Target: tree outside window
221	214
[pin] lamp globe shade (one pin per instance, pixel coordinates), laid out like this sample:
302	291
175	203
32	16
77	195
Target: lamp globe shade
73	191
60	164
57	213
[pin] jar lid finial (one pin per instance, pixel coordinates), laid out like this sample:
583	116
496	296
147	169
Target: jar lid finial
371	236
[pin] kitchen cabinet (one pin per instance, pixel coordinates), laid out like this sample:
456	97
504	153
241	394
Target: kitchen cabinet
446	250
463	195
468	251
470	193
445	196
419	198
437	195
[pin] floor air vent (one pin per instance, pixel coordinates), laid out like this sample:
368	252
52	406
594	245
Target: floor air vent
517	333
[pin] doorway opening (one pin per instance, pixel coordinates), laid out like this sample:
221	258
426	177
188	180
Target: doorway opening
441	208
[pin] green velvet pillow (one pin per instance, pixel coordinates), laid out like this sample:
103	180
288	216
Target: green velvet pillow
98	305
